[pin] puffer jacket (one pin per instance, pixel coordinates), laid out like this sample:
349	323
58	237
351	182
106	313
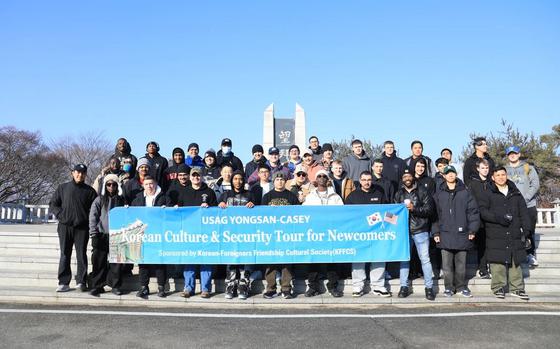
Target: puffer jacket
505	239
423	211
457	217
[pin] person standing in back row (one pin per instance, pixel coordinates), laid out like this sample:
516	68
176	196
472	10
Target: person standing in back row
70	204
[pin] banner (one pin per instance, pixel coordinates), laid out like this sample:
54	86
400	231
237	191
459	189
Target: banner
261	235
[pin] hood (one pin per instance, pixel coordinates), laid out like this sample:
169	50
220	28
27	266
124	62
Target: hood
158	191
177	150
114	178
383	155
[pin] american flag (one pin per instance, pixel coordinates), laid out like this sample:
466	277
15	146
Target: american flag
374	218
390	218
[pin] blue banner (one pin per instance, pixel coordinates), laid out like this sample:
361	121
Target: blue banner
261	235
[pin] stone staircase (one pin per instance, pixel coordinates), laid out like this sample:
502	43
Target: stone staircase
29	261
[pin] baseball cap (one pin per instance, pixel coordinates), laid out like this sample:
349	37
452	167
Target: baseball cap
513	149
448	169
273	150
80	168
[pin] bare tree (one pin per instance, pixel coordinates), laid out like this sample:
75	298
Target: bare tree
91	148
29	171
343	148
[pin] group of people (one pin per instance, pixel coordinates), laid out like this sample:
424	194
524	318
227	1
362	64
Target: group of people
452	209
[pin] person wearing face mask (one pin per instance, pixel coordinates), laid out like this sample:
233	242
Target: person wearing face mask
226	156
129	170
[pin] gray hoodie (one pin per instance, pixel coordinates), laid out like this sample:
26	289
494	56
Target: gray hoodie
354	165
526	179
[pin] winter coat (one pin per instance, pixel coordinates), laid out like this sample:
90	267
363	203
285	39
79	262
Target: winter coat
131	189
252	165
317	153
424	208
393	168
331	199
71	203
126	154
387	187
428	183
158	165
526	179
170	175
457	216
469	169
99	213
230	159
254	177
210	173
504	239
160	199
194	162
257	191
354	165
345	188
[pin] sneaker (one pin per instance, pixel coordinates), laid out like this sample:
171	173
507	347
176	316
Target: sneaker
63	288
484	274
430	295
161	292
500	293
96	292
143	292
336	293
382	293
358	294
81	287
532	261
269	294
466	293
205	294
243	292
287	295
311	292
520	294
116	291
448	293
404	292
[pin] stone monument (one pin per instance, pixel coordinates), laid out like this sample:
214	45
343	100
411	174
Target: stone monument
283	132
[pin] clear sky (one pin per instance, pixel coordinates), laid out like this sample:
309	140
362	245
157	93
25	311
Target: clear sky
185	71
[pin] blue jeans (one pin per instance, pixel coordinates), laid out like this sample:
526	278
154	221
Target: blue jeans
205	278
422	243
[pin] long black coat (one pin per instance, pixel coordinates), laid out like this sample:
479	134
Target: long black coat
503	239
457	217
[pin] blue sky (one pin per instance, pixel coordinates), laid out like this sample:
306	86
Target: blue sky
186	71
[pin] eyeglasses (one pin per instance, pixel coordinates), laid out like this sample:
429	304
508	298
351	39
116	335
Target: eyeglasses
301	174
321	176
111	184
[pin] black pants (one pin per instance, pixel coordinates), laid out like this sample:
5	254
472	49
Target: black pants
314	272
144	273
103	272
454	264
68	237
481	250
533	220
435	258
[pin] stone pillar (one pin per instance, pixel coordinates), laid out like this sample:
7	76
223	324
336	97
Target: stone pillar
284	132
268	128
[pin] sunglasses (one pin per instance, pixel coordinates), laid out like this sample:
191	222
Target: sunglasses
111	184
481	144
321	176
195	175
301	174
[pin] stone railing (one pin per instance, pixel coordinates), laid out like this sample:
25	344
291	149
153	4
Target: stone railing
14	213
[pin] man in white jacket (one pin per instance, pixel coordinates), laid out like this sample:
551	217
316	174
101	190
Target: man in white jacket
323	194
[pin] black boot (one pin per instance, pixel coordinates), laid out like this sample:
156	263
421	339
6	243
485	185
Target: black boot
161	292
144	292
430	294
404	292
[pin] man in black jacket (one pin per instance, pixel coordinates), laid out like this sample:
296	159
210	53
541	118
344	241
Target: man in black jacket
421	208
507	223
368	193
480	152
258	158
71	204
226	156
454	230
152	196
198	194
479	186
393	166
158	164
378	179
417	149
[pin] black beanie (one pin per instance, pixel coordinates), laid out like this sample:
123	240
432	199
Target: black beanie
257	148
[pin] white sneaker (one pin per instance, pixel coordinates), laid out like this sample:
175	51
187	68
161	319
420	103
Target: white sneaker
532	261
63	288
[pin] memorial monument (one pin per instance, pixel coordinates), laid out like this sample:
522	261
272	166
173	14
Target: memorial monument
283	132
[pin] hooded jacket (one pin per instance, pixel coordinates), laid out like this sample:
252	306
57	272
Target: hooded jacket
170	173
252	165
457	216
354	165
71	203
194	162
469	168
254	177
505	239
158	165
424	207
330	199
231	159
526	179
411	163
99	213
393	168
386	185
196	197
233	198
317	153
125	154
131	189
